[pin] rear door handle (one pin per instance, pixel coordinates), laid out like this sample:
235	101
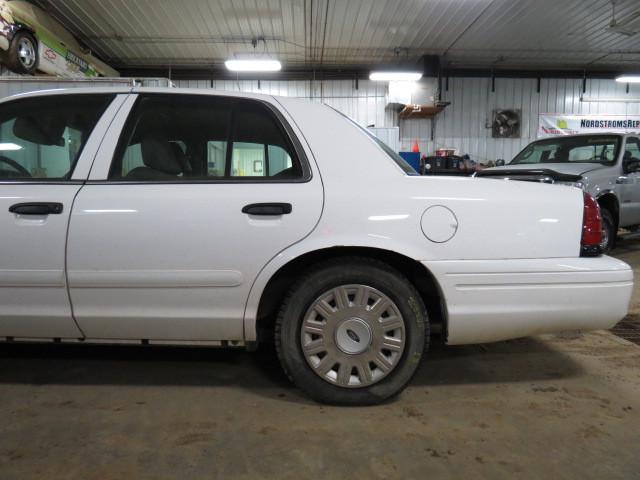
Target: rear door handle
267	209
36	208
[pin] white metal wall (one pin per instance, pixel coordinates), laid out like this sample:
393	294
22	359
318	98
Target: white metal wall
366	104
463	125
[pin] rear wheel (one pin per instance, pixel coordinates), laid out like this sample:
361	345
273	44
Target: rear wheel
352	332
609	231
22	56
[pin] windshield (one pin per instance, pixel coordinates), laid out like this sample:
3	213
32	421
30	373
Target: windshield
584	149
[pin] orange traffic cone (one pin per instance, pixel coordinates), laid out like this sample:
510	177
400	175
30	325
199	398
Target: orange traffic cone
416	147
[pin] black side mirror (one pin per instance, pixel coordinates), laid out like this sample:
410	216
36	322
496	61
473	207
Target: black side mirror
500	162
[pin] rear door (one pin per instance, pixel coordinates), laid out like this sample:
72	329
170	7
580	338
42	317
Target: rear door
46	148
175	223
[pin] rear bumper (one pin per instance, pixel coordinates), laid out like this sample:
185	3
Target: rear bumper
492	300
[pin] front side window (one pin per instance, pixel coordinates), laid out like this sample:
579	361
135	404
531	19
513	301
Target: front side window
196	137
632	149
41	138
583	149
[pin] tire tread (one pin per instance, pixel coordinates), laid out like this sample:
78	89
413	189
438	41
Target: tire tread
343	262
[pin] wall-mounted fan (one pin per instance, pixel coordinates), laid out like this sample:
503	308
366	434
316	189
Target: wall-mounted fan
505	124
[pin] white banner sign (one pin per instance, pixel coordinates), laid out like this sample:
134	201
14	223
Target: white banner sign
552	125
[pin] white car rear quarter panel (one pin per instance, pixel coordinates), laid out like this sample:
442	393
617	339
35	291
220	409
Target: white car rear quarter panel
369	199
509	233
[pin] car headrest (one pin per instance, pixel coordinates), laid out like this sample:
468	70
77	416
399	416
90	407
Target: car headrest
157	153
185	166
44	130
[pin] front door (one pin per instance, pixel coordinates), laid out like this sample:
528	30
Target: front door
202	192
41	140
629	184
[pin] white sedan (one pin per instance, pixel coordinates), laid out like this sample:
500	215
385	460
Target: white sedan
185	217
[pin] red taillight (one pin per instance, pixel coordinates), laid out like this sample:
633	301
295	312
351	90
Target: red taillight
591	227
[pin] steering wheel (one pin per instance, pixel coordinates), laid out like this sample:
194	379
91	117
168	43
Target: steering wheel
16	166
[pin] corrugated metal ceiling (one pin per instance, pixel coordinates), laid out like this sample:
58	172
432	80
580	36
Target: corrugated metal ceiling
470	33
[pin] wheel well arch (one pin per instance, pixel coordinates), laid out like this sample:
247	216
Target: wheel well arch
21	27
280	282
610	202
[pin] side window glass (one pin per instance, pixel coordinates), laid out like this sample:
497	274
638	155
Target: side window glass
216	157
179	137
42	138
174	138
632	148
132	158
260	146
248	160
279	160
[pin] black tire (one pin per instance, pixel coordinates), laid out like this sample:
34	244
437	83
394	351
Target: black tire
15	61
609	231
351	271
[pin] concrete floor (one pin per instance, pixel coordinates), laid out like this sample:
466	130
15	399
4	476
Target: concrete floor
559	406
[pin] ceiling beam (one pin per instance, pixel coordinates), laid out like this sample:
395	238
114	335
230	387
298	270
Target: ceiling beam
348	73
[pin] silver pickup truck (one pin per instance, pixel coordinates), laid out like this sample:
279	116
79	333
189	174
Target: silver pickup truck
607	166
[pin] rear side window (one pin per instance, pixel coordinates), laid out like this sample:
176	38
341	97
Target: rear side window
179	137
41	138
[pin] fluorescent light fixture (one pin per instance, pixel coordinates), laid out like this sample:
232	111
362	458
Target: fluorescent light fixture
629	78
5	147
610	99
389	76
253	65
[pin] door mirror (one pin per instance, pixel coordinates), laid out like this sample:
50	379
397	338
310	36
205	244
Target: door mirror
500	162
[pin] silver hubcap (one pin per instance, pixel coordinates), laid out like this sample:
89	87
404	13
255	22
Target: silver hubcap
353	336
26	53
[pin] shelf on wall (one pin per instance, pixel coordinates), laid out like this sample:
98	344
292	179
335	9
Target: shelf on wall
420	111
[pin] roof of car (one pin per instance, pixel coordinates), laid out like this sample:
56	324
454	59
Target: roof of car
171	90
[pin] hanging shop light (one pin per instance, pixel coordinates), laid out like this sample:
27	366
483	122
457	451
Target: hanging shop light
395	76
253	65
628	78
